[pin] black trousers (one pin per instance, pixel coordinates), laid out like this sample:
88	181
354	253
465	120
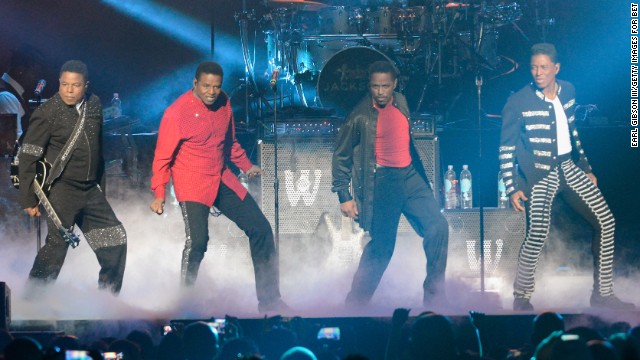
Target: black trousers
402	191
83	204
247	215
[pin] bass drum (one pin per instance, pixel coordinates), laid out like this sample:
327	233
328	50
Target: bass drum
344	79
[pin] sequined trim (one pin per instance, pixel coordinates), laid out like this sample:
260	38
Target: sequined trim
33	150
535	113
542	153
188	245
542	166
540	140
569	104
538	127
506	156
106	237
507	148
506	166
507	174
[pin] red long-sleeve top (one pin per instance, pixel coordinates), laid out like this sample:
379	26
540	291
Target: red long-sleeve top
193	142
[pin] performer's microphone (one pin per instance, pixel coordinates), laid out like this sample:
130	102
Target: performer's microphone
274	77
40	87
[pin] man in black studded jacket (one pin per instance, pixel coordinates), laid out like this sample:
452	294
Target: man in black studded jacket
76	195
377	157
540	136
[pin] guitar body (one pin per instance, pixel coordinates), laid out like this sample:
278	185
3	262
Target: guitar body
346	241
43	169
15	180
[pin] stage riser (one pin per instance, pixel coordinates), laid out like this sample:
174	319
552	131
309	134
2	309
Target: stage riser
504	231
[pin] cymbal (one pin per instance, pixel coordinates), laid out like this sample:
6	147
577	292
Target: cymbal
456	5
301	5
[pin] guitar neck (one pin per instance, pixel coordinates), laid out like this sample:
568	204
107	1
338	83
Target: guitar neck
68	235
44	201
346	229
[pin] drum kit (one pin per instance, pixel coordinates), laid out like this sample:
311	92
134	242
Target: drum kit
321	50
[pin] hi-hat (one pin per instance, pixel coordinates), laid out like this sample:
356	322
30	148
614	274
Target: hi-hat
301	5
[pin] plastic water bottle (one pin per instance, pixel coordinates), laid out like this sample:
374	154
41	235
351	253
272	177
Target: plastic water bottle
450	189
244	180
503	199
116	105
465	188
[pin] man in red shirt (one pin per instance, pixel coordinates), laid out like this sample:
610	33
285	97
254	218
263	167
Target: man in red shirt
377	158
195	138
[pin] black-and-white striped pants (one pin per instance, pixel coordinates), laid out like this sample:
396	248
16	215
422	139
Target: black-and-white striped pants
586	199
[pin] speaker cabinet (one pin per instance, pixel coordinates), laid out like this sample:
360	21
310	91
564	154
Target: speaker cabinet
504	231
304	176
5	309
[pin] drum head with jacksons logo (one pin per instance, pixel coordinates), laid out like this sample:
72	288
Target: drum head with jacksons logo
344	79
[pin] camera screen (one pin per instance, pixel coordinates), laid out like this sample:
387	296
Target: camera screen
166	329
112	356
329	333
217	325
77	355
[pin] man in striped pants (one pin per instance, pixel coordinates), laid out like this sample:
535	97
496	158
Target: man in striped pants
539	134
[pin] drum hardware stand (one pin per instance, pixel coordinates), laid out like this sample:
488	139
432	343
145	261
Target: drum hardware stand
276	182
249	81
358	18
296	41
38	233
520	31
545	22
442	38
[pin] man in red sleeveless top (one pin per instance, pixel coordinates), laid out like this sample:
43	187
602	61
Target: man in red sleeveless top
377	157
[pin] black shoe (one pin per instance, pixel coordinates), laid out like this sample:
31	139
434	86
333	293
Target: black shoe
355	303
277	306
522	304
610	302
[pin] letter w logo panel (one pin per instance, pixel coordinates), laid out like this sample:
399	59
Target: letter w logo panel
304	175
503	235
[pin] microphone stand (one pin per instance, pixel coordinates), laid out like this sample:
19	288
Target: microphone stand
276	182
479	187
38	233
38	220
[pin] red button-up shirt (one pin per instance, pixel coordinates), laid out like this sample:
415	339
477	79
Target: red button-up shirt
193	142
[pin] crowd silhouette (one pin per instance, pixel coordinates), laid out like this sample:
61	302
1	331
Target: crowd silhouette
427	335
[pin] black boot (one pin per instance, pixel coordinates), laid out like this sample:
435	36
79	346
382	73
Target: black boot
610	302
522	304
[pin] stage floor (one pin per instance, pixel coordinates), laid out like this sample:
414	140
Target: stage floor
314	280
